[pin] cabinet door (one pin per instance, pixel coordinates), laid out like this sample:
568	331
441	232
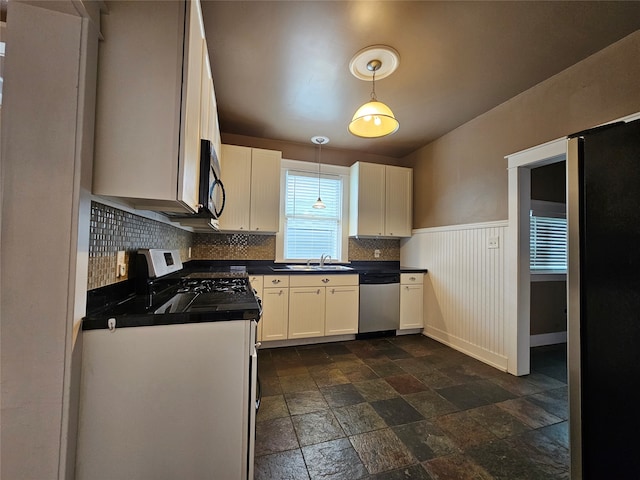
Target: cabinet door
206	85
189	164
368	211
398	196
341	315
137	127
306	312
275	313
265	190
411	306
235	166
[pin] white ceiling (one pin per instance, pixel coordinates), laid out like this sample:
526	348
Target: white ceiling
281	68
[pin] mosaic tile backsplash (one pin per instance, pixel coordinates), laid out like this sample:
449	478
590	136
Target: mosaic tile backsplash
362	249
233	246
113	229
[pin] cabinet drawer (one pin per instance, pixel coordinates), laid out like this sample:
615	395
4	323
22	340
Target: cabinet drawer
412	278
271	281
322	280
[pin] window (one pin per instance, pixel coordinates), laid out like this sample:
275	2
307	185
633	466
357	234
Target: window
307	233
548	237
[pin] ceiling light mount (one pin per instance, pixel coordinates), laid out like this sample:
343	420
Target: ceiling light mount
374	119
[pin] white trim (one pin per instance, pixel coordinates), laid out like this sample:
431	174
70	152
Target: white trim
490	358
532	155
466	226
548	339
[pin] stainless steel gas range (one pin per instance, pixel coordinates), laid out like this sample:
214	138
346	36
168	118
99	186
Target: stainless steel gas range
169	377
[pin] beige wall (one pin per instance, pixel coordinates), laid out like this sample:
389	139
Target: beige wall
462	177
308	153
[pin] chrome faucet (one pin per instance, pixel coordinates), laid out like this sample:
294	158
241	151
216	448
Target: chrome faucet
324	258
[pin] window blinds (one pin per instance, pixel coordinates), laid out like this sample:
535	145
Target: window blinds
309	232
548	240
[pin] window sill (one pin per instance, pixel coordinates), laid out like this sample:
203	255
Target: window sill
549	276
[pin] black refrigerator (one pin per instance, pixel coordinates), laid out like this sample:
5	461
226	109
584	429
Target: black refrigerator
603	174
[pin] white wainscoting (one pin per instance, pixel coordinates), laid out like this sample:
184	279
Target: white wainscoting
464	300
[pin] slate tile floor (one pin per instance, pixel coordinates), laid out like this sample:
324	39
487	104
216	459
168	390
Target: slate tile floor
409	407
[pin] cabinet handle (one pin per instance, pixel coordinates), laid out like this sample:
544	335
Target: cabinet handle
413	279
325	280
280	292
318	292
276	281
333	290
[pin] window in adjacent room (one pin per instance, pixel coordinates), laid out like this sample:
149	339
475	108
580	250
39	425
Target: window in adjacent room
548	237
307	233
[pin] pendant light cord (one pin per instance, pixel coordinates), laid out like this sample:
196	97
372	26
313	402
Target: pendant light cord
373	90
319	158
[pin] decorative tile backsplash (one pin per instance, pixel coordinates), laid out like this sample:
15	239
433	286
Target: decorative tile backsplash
362	249
233	246
113	229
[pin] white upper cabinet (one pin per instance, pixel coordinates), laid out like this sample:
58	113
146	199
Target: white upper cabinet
380	200
148	119
398	201
251	177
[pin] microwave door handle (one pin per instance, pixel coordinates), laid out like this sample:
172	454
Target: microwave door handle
217	209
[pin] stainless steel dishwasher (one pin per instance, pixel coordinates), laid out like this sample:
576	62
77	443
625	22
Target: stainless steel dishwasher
379	303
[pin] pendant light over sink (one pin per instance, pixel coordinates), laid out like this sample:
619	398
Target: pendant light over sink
319	140
374	119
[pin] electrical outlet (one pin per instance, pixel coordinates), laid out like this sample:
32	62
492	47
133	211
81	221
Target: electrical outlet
121	265
189	253
376	253
494	242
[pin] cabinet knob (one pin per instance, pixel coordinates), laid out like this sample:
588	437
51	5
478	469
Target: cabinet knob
325	280
276	281
318	292
333	290
280	292
413	279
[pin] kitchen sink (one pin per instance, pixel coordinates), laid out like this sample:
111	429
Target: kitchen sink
311	268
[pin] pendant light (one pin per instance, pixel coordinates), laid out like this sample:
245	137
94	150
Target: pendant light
319	140
374	119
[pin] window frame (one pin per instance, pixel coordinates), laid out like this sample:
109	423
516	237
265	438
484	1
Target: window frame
326	171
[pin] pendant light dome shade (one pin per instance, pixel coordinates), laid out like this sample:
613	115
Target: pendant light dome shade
373	119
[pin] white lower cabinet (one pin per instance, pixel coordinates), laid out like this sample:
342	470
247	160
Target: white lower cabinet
411	300
275	307
322	305
341	308
306	311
